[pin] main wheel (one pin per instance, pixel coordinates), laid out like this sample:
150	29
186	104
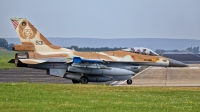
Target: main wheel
84	80
129	81
75	81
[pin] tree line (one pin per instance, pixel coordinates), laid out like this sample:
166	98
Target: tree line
8	46
194	50
5	45
91	49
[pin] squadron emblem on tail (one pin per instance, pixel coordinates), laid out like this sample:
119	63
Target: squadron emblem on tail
27	33
26	30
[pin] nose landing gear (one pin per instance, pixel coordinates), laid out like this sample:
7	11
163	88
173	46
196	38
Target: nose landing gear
129	81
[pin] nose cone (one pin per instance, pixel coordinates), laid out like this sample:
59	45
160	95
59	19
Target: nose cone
174	63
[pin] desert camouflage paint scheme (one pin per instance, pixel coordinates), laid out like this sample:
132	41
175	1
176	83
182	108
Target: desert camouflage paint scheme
39	47
39	51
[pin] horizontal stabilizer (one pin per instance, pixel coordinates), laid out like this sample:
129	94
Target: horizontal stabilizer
31	61
79	60
11	61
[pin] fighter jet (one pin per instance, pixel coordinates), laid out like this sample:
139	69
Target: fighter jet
81	67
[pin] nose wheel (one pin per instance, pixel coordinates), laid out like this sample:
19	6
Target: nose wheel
129	81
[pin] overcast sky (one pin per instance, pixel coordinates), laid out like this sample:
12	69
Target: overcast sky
105	18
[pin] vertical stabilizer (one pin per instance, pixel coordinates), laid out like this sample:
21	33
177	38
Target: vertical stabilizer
27	33
31	38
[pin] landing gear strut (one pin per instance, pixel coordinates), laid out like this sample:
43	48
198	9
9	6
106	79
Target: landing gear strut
129	81
84	80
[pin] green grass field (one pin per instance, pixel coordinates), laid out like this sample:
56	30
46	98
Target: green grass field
64	97
5	56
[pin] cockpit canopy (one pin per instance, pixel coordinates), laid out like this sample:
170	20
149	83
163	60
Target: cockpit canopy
141	50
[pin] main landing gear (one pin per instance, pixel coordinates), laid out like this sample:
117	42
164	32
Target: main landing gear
84	80
129	81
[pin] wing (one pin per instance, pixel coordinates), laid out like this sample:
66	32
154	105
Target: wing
51	70
43	60
125	60
32	61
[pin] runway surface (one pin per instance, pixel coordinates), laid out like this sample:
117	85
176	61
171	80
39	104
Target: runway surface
29	75
33	75
152	76
171	76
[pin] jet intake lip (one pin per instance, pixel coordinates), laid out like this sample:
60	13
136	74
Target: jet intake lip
175	63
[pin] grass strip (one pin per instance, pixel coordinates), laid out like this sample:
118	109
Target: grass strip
77	97
5	56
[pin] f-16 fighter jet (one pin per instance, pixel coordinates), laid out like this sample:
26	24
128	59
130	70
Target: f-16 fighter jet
37	52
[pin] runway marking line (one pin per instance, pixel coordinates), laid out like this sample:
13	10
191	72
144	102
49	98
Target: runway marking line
194	67
118	83
114	82
175	68
156	67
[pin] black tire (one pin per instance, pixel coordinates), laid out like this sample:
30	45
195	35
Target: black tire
84	80
129	81
75	81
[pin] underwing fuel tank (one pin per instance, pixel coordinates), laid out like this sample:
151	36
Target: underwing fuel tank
91	78
110	71
132	68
